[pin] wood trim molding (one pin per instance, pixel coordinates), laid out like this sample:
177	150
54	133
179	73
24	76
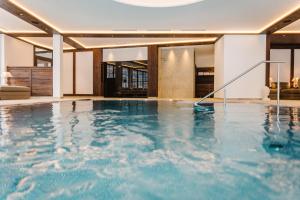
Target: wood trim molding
283	22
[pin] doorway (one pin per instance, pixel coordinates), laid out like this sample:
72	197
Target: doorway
127	79
204	78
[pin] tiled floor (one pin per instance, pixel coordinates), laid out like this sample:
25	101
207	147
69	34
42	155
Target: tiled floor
34	100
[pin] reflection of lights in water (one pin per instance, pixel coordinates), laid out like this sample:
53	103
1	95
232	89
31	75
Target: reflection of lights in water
281	136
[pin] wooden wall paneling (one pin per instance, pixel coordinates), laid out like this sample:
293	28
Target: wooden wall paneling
97	72
21	76
152	71
39	80
42	80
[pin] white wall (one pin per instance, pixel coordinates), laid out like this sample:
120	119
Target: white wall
281	55
125	54
219	66
68	73
176	72
84	72
234	56
18	53
204	56
297	63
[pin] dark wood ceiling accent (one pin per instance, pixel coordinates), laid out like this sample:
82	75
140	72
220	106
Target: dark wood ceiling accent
285	39
73	43
141	35
283	22
30	34
29	18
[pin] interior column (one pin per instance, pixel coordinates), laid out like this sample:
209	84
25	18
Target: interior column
57	65
2	58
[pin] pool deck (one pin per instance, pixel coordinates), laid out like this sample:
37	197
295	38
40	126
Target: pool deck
35	100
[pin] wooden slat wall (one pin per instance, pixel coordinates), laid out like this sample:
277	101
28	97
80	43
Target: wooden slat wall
21	76
41	82
37	78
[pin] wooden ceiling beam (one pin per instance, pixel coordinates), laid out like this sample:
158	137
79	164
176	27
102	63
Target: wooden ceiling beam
283	22
29	18
25	16
30	34
73	43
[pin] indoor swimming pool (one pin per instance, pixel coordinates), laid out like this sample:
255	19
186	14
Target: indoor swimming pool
149	150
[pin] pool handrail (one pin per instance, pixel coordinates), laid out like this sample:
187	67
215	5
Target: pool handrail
241	75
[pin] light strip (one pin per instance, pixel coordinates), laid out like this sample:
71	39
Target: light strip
160	32
145	43
42	45
287	32
157	32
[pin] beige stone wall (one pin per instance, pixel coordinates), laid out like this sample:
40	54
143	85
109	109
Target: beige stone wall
176	72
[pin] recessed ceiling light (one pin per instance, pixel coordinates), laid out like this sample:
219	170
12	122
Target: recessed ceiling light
158	3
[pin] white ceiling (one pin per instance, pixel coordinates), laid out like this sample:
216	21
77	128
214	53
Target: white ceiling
43	42
293	27
110	42
210	15
11	23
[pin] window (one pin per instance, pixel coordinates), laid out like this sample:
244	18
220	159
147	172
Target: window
140	79
110	71
134	79
145	80
125	80
42	57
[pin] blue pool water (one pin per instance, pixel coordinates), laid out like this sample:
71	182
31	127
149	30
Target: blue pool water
149	150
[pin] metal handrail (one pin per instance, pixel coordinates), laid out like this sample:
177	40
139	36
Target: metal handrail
241	75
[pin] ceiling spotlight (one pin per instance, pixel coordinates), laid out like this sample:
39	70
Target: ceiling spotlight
158	3
21	14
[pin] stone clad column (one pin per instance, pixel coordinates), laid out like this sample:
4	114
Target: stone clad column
57	65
